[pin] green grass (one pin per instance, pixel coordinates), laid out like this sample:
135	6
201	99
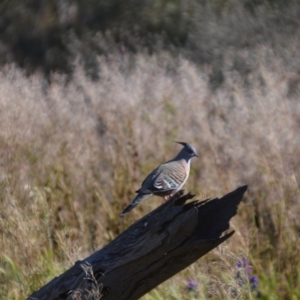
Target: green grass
72	157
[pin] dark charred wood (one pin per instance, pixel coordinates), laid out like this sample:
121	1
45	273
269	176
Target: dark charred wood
153	249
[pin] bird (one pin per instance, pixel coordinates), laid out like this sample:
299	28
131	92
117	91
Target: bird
167	179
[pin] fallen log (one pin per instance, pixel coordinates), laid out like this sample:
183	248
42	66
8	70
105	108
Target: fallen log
150	251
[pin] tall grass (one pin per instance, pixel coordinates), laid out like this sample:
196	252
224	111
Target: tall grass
73	153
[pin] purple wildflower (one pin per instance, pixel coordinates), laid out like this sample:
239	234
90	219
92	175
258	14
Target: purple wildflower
191	285
244	264
253	282
243	267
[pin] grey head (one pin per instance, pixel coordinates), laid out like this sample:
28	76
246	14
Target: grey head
187	152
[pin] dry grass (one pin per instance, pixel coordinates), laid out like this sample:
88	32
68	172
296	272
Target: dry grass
73	154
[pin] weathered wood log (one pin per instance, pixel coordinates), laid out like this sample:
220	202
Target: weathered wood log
153	249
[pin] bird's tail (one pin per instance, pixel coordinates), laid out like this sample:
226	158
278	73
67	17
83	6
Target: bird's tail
138	198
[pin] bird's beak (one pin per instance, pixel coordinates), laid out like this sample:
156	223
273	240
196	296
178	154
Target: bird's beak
196	154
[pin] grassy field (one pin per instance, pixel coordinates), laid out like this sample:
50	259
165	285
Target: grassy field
73	153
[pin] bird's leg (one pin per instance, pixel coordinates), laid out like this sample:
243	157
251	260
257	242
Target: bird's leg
166	198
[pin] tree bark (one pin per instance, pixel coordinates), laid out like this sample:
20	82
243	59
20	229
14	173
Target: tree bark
153	249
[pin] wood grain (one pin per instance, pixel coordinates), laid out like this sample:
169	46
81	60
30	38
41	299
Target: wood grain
150	251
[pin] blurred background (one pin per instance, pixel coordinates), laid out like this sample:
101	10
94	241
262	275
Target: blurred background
91	95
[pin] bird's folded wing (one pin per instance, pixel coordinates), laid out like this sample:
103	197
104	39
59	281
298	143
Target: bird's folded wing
170	177
166	183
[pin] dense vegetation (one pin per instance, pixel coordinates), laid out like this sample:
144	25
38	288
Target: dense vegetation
49	35
74	148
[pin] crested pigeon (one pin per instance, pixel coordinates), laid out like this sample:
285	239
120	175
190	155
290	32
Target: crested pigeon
166	179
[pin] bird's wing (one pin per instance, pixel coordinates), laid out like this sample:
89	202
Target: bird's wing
167	177
171	177
165	183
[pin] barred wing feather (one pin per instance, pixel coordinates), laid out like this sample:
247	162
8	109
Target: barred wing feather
171	177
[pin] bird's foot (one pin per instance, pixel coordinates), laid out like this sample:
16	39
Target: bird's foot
166	198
